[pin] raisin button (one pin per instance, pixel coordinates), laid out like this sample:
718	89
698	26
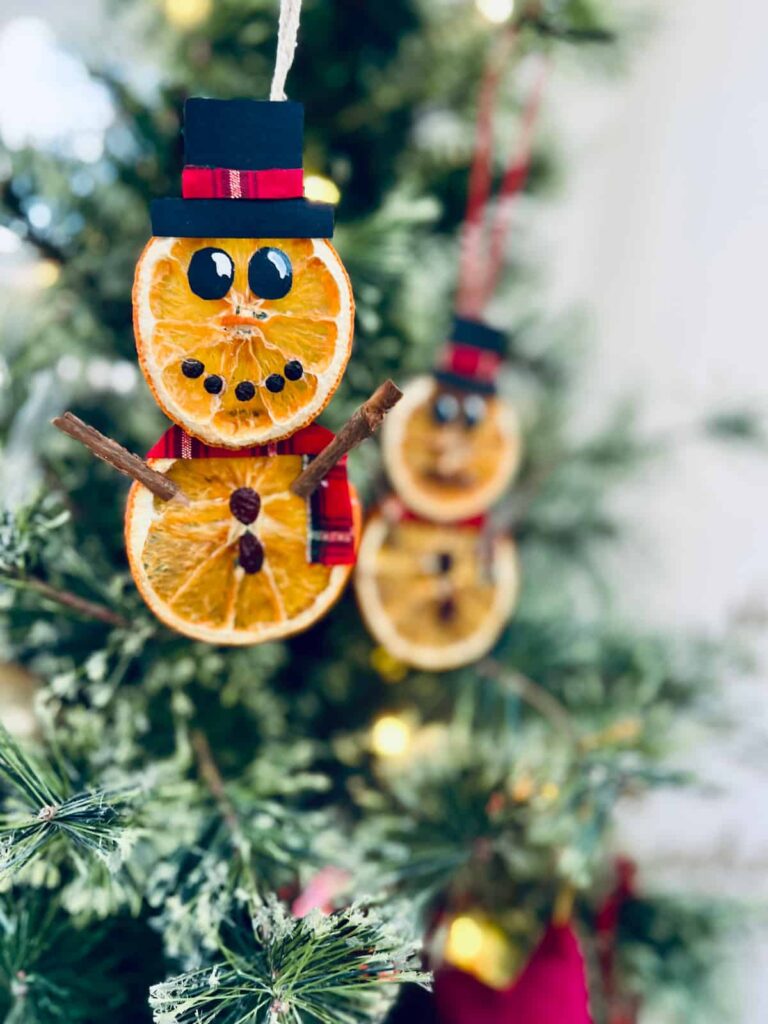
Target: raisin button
251	553
274	383
245	504
213	384
293	370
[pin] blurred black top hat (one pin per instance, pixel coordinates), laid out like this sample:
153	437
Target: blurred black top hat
473	356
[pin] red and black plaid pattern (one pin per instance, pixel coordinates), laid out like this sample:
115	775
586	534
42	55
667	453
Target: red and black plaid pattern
471	362
395	511
226	183
331	538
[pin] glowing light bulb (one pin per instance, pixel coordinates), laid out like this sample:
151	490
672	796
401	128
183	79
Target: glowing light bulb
390	668
40	275
496	11
479	947
465	941
549	792
187	14
390	736
321	189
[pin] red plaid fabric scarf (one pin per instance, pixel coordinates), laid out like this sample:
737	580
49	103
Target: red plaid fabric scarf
331	533
396	511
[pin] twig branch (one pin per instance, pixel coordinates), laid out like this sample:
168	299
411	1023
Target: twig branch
361	425
212	777
538	698
119	458
210	774
82	605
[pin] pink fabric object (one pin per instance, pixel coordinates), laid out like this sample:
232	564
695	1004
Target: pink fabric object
552	989
321	892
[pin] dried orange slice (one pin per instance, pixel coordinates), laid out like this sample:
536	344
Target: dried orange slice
430	594
242	341
231	567
450	454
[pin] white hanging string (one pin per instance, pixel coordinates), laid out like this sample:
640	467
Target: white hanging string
287	36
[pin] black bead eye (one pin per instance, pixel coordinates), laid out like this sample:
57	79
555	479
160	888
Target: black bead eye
474	410
270	274
445	408
211	273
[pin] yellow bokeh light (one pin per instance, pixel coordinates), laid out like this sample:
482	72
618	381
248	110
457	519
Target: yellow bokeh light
39	275
390	668
549	792
186	14
390	736
496	11
522	789
321	189
478	946
465	941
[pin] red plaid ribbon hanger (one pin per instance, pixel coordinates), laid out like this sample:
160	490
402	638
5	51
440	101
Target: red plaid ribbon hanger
480	265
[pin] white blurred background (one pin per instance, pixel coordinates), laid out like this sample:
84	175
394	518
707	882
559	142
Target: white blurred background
661	234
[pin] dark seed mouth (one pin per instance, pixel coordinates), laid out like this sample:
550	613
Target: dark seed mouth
245	390
192	368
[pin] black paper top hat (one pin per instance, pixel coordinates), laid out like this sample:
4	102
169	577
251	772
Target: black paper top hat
243	175
473	356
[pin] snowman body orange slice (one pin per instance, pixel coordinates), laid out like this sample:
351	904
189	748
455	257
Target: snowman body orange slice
243	311
436	596
452	446
246	560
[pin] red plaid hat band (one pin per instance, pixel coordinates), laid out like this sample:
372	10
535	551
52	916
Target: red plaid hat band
469	361
226	183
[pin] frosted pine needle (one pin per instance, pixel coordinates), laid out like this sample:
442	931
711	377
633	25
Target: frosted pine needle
341	969
41	810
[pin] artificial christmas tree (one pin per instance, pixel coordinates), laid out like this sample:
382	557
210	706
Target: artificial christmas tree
181	796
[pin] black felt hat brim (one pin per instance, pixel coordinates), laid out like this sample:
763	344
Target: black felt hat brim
241	218
458	382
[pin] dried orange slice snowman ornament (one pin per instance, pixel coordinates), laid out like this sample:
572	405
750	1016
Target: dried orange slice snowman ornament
435	585
243	318
435	580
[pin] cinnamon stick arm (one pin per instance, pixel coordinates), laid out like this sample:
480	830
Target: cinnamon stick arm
119	458
361	425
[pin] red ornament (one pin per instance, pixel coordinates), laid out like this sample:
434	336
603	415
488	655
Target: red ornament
552	989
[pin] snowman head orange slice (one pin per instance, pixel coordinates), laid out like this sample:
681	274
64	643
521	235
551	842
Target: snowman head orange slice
452	445
243	312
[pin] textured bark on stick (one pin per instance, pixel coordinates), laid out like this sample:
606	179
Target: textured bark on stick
361	425
119	458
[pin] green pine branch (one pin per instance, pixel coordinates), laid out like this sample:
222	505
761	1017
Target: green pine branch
341	969
42	811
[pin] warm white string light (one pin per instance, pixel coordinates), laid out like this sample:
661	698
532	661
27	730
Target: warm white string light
391	736
496	11
187	14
